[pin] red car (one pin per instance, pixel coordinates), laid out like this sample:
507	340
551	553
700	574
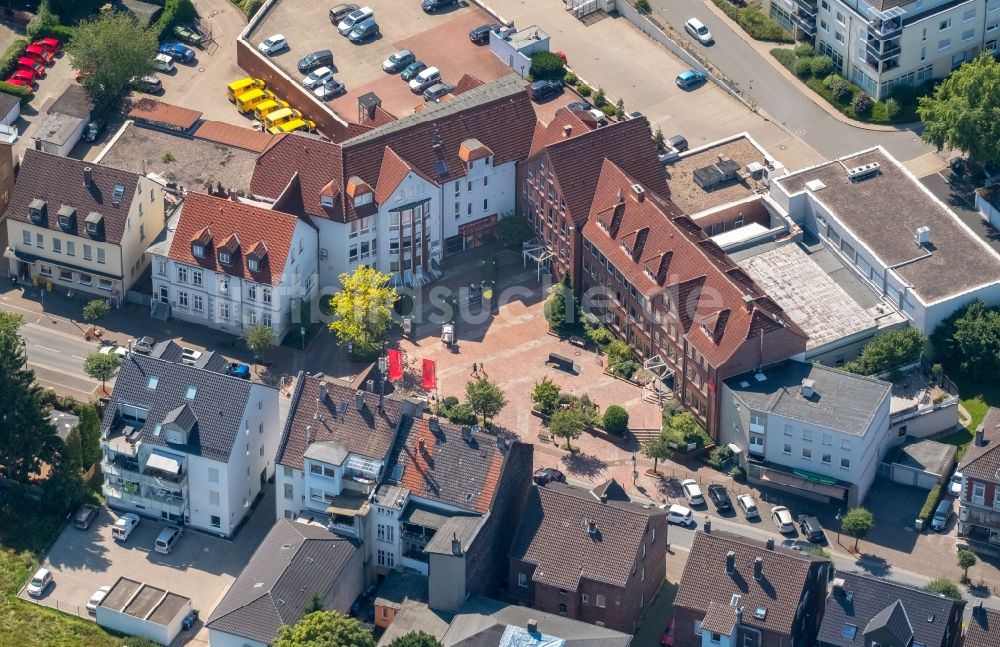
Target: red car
30	64
668	636
51	44
26	76
39	53
16	81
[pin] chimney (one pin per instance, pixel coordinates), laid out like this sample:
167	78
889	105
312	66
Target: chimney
770	543
88	176
748	302
422	446
739	615
730	562
980	437
456	544
604	498
532	626
567	131
309	433
808	389
371	386
359	400
640	193
838	586
323	391
233	195
707	525
758	569
591	527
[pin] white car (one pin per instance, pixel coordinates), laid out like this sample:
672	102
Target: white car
699	31
358	15
319	76
39	582
679	515
273	44
97	598
692	492
329	89
748	505
117	350
124	526
955	484
782	518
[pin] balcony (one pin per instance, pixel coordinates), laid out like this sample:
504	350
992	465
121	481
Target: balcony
805	22
123	439
884	29
129	470
881	50
806	6
881	66
132	495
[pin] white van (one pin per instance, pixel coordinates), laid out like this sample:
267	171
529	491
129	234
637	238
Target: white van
425	79
167	538
163	63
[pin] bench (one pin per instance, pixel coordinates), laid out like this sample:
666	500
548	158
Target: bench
561	362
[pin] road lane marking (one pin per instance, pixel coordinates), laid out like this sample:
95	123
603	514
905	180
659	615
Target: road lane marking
46	348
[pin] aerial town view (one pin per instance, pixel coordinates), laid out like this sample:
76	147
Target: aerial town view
500	323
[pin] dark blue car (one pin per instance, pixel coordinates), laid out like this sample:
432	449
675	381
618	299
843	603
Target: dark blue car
178	52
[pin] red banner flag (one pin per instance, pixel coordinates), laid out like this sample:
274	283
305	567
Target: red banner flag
395	365
429	381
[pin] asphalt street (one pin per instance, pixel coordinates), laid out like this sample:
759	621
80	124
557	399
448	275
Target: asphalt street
57	359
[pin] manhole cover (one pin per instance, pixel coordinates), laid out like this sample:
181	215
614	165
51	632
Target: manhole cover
201	69
783	147
800	132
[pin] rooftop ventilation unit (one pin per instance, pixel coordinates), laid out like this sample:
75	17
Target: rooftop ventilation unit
864	171
923	235
755	170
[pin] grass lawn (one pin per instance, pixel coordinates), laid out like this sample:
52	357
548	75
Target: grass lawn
977	398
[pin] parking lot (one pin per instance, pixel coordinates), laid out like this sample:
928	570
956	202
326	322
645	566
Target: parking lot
440	40
200	567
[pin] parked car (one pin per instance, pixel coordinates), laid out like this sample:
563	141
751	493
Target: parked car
398	61
340	11
238	369
317	77
545	474
93	130
698	30
540	90
167	539
580	105
330	89
782	518
688	79
304	125
795	544
51	44
189	619
124	526
34	65
22	80
679	515
413	69
238	87
437	91
720	498
941	514
748	506
667	639
430	6
425	79
955	484
273	44
39	53
188	35
811	528
363	31
97	598
144	345
358	15
692	492
85	516
148	85
189	356
267	107
39	582
178	52
163	63
599	116
678	142
481	34
319	58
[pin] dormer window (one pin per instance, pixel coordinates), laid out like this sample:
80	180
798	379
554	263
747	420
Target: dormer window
67	218
95	224
363	199
198	250
326	200
225	258
253	264
37	210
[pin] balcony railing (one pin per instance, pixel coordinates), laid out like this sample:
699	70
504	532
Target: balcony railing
131	472
805	23
881	50
884	29
881	66
146	498
807	6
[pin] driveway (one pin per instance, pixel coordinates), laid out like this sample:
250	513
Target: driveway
957	192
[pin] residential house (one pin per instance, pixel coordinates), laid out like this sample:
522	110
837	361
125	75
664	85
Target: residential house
982	627
656	279
979	503
886	44
901	241
296	564
815	431
401	196
738	592
81	227
595	559
185	442
863	610
232	266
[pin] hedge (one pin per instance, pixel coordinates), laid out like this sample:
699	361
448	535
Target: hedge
755	22
9	59
17	91
174	12
933	497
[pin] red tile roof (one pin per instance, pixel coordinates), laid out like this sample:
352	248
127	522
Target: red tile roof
705	288
498	114
236	136
982	461
157	112
983	628
466	83
203	216
556	129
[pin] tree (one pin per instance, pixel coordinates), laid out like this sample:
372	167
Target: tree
857	523
72	451
546	395
658	449
484	397
968	341
89	427
962	111
560	306
659	140
642	6
95	310
889	350
362	310
27	436
568	424
620	108
600	98
546	65
109	51
683	429
63	489
416	639
324	629
101	366
615	420
966	560
259	339
314	603
944	586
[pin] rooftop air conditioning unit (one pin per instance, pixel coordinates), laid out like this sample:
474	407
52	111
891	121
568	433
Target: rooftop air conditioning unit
923	235
863	171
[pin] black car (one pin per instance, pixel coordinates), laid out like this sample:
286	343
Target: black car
720	498
540	90
579	105
678	142
811	528
430	6
85	516
321	58
481	35
545	474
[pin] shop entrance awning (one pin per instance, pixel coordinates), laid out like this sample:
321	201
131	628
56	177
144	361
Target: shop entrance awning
791	480
164	464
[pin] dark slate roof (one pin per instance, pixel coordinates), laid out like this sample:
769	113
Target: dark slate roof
369	432
218	404
554	536
171	351
59	181
869	602
983	628
295	561
611	489
182	416
705	580
982	461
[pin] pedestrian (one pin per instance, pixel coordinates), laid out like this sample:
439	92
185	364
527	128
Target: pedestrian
474	368
482	368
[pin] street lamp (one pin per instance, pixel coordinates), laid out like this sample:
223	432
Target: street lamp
635	469
838	527
24	351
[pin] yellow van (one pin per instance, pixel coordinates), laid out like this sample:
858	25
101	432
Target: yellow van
247	101
293	125
281	116
264	109
236	88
